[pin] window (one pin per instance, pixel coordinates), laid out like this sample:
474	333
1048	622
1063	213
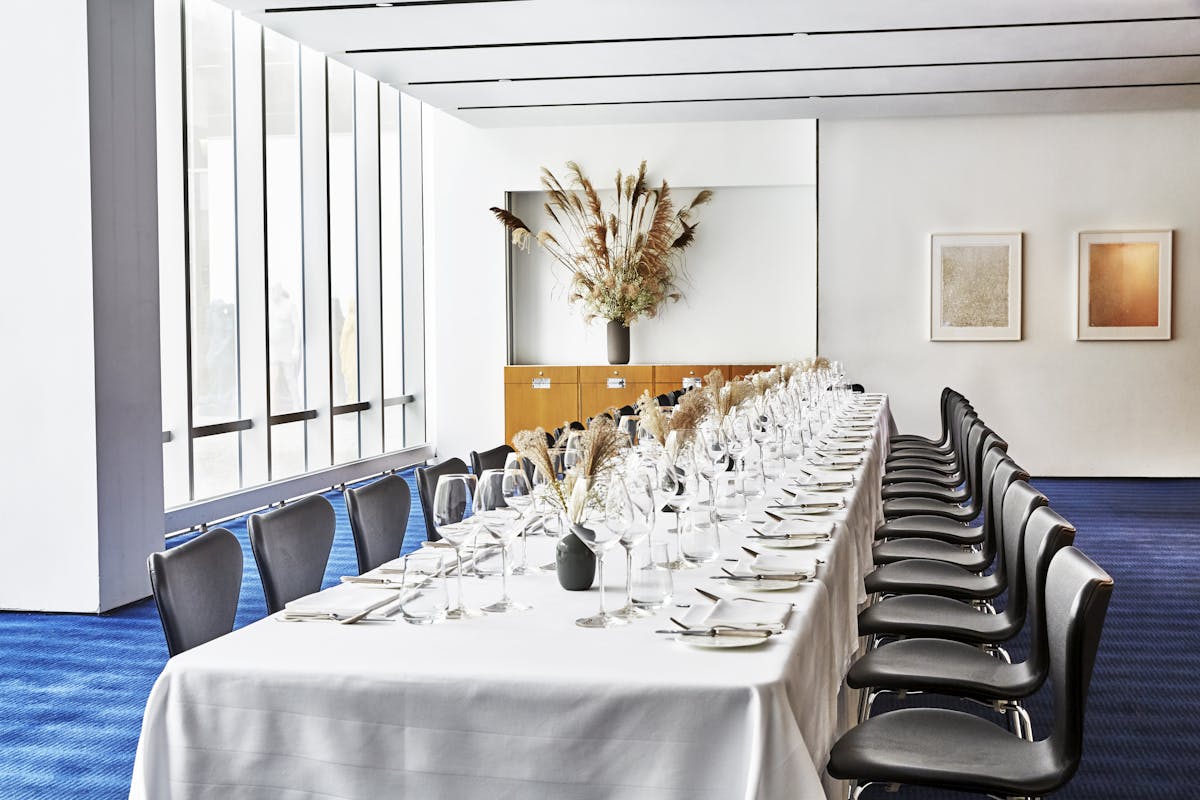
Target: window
294	224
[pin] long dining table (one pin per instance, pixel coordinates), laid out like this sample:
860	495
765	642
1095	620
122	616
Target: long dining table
526	705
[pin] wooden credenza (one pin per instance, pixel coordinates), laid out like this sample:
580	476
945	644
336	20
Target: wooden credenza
548	395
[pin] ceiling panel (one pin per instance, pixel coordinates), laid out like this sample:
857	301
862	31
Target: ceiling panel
534	62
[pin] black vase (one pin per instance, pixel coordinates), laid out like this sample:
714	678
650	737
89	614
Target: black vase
618	342
575	564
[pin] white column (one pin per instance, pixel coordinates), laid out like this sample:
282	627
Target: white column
81	456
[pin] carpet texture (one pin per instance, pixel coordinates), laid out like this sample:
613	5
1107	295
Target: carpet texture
73	687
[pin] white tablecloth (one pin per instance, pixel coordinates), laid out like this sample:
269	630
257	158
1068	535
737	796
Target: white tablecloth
524	705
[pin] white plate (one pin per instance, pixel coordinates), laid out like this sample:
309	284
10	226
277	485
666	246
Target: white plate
721	642
765	585
789	544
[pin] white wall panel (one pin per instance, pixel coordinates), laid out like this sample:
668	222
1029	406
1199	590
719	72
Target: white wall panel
1066	407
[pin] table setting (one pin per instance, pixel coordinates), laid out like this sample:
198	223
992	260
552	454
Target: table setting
708	663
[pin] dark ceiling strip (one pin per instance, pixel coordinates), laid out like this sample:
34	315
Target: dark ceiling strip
642	39
1003	25
395	4
492	45
830	96
775	70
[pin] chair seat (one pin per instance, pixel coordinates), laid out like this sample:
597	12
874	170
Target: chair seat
920	576
947	479
930	616
918	449
942	667
920	463
932	456
911	506
929	490
912	438
934	549
924	526
947	749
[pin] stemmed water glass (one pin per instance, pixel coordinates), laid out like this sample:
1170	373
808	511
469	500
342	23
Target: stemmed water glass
630	505
453	507
710	457
500	502
601	535
677	488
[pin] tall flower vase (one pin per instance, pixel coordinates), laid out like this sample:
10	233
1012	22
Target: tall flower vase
618	342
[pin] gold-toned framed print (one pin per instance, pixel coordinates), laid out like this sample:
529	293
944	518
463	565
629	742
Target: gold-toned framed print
1124	285
975	287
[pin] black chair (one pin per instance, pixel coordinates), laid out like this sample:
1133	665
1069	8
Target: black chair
943	409
937	465
196	587
665	400
378	520
291	547
489	459
962	670
932	616
427	478
954	750
940	539
903	500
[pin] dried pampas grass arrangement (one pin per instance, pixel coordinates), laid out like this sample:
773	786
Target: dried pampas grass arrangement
625	261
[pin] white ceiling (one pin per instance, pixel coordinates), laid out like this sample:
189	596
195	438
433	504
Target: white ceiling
544	62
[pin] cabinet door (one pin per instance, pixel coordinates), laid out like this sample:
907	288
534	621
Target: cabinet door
740	370
669	377
539	396
601	388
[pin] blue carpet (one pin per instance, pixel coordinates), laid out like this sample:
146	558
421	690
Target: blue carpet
73	687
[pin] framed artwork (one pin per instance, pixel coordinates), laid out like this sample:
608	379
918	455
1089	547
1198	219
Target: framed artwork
1124	285
975	287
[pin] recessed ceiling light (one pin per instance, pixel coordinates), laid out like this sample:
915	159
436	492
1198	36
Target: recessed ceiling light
504	80
385	5
800	33
814	97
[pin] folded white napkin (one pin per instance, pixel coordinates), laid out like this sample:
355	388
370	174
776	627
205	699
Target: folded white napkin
738	613
818	480
341	601
782	564
797	529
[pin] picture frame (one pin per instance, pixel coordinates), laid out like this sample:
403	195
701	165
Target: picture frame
975	287
1123	285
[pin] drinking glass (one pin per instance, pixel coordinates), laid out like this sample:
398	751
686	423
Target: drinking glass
730	503
498	519
772	462
710	457
701	542
453	507
518	494
630	499
652	583
754	482
599	537
573	449
424	599
677	482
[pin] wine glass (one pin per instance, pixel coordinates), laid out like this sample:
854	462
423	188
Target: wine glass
520	495
453	507
622	511
677	482
710	457
600	536
502	520
573	450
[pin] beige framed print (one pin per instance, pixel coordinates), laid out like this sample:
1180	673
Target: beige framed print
1124	285
975	281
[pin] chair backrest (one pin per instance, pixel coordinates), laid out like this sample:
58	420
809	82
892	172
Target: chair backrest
1020	501
489	459
427	478
980	441
291	547
378	520
1003	471
196	587
1046	534
1077	596
665	400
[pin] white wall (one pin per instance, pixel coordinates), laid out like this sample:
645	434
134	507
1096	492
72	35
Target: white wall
750	239
1066	407
48	402
467	170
